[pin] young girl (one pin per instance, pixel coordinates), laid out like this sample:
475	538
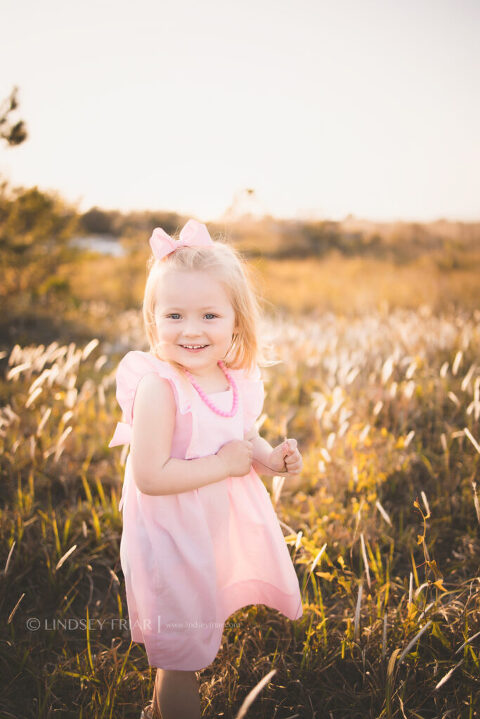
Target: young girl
200	536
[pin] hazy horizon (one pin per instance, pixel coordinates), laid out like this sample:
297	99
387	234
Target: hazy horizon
325	110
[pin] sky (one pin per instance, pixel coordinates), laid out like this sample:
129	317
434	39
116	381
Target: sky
323	108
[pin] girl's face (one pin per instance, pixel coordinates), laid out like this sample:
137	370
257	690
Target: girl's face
193	308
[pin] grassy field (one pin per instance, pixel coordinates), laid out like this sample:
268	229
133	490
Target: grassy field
382	526
378	333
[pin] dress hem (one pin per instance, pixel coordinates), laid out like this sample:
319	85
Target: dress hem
275	599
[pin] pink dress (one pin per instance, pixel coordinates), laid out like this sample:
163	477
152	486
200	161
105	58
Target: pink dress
192	559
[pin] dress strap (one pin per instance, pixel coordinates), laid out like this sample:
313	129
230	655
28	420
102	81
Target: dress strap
253	395
122	434
131	368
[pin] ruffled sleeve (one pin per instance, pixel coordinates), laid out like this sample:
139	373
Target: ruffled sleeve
253	395
131	368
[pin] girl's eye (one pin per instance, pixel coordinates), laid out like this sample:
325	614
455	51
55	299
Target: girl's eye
176	315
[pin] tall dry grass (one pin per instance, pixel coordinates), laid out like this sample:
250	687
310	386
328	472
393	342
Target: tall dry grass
382	527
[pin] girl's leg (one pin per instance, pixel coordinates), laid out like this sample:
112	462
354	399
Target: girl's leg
176	695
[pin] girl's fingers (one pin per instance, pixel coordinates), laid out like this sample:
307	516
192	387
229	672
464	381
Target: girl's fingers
294	470
290	445
294	465
294	456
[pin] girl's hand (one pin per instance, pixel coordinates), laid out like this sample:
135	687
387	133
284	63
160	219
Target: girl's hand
286	458
237	456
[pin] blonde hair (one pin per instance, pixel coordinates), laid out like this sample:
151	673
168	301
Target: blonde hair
227	265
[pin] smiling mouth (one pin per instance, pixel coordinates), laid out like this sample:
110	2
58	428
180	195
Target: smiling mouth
193	347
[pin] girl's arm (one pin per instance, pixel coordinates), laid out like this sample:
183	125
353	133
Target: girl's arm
261	451
155	472
286	457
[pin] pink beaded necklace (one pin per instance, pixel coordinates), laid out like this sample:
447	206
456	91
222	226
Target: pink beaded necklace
221	412
209	402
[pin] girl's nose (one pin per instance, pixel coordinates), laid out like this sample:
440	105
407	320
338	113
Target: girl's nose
191	331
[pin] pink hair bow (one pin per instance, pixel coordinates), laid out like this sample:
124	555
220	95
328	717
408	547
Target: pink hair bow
194	234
